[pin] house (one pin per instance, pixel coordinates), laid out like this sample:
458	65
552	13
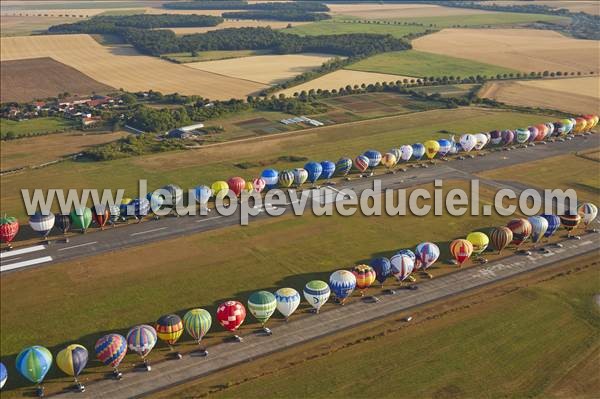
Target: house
91	120
39	104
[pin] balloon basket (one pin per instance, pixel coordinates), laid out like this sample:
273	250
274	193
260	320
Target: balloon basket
176	356
266	331
202	352
78	387
117	375
39	391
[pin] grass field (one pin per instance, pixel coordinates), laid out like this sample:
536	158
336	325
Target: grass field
332	27
231	23
421	64
35	126
455	90
495	19
386	11
213	55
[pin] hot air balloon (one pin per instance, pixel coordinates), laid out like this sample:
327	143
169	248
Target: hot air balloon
343	166
397	153
72	360
501	237
553	223
508	137
197	322
141	339
570	222
288	300
81	218
271	178
328	169
445	147
220	189
382	268
365	277
539	225
231	315
156	200
286	178
388	160
141	208
522	135
124	209
9	227
431	148
115	213
316	293
480	141
550	127
361	163
33	363
374	158
568	125
168	329
42	224
559	129
588	213
314	170
406	152
258	185
468	142
521	229
262	305
461	250
342	283
100	214
173	195
248	187
236	184
479	240
110	350
408	253
580	125
533	133
427	253
542	131
202	195
418	151
495	137
402	265
3	375
300	176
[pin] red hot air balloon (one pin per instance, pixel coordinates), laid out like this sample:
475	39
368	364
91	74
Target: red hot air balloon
231	315
521	229
236	184
101	215
258	184
361	163
9	227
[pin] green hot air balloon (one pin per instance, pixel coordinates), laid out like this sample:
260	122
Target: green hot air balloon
262	305
81	218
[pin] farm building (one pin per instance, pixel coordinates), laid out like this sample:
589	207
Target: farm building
186	132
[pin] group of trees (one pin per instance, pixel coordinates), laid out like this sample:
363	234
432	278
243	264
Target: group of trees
243	5
277	15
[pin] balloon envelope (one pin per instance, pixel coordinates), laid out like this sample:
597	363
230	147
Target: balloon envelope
521	229
141	339
42	224
388	160
9	227
365	276
343	166
445	147
300	176
169	328
382	268
468	142
431	148
262	305
236	184
328	169
374	157
342	283
202	194
231	315
111	349
501	237
539	225
286	178
220	189
288	300
314	170
402	266
406	152
361	163
3	375
427	253
418	151
479	240
33	363
81	218
588	212
271	177
197	322
461	250
316	293
72	360
553	223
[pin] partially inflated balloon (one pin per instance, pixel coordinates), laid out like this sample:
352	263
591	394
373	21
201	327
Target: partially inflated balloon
539	225
34	363
288	300
553	223
72	360
100	214
431	148
495	137
262	305
343	166
427	253
588	212
418	151
521	229
197	322
461	250
81	218
342	283
402	266
501	237
314	170
479	240
533	133
382	268
316	293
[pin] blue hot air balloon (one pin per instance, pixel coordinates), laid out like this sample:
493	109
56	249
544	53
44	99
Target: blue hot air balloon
342	284
141	207
42	224
553	223
382	268
156	200
427	253
343	166
3	375
314	170
271	178
328	169
445	147
539	225
374	158
418	151
34	363
202	194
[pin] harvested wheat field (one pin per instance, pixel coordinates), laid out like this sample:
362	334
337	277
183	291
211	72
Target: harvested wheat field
14	25
342	78
121	66
526	50
390	11
576	95
231	23
265	69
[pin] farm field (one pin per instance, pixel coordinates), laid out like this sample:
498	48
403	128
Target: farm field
212	55
486	344
121	66
336	26
577	95
34	126
211	163
30	79
22	26
455	90
388	11
38	150
422	64
264	69
61	6
342	78
237	24
526	50
496	19
588	6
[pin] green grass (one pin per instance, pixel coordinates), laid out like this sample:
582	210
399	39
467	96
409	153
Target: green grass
34	126
332	27
213	55
475	20
422	64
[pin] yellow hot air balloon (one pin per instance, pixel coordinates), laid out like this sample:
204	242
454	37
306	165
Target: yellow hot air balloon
479	240
220	188
580	125
389	160
431	148
248	187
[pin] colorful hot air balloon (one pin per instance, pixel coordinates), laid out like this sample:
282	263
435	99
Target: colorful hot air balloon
539	225
559	129
550	127
361	163
220	189
314	170
259	184
468	142
480	141
173	195
568	125
169	328
81	218
507	137
342	283
479	240
408	253
542	131
286	178
406	152
262	305
288	300
316	293
343	166
365	277
580	124
382	268
156	200
110	350
374	158
501	237
588	213
3	375
461	250
33	363
101	215
431	148
533	133
248	187
328	169
418	151
202	194
236	184
495	137
271	178
388	160
115	213
427	253
522	135
141	207
42	224
402	265
231	315
396	153
445	147
553	223
72	360
9	227
300	176
141	339
570	222
197	322
521	229
123	208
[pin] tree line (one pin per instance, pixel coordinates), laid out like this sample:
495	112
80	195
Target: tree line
277	15
243	5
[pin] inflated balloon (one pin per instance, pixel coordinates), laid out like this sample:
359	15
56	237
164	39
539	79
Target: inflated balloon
568	125
408	253
374	158
559	129
328	169
365	277
343	166
141	207
580	124
101	215
342	283
202	195
406	152
81	218
34	363
501	237
169	328
445	147
271	178
383	269
197	322
258	184
62	222
72	360
3	375
418	151
42	224
550	127
300	176
522	135
115	213
588	212
156	200
553	223
288	300
314	170
397	153
248	187
402	265
141	339
236	184
533	133
570	221
231	315
431	148
173	195
495	137
542	132
111	349
220	189
521	229
388	160
316	293
427	253
480	141
361	163
262	305
9	227
539	225
508	137
479	240
286	178
461	250
468	142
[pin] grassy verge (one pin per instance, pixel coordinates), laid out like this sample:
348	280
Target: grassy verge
33	127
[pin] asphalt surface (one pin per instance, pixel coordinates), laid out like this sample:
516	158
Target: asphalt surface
132	234
173	372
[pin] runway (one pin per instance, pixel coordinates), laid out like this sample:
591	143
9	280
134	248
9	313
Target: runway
132	234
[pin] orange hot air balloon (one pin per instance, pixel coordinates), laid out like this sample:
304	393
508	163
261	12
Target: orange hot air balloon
461	250
236	184
365	277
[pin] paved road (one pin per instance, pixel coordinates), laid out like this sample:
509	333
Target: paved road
171	373
133	234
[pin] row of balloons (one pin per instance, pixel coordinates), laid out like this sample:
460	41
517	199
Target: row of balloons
34	362
171	194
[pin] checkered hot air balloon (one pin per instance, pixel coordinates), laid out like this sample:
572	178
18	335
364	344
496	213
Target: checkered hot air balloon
365	277
461	250
9	227
342	283
262	305
197	322
231	315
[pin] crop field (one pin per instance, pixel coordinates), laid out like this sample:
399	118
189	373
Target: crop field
577	95
122	66
422	64
26	80
496	19
336	26
388	11
210	163
264	69
212	55
15	25
35	126
342	78
588	6
526	50
230	23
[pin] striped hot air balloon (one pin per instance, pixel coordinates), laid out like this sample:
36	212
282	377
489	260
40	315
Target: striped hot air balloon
300	176
141	339
427	253
101	215
42	224
33	363
110	350
539	225
383	269
461	250
271	178
588	212
521	229
365	277
361	163
342	283
288	300
316	293
72	360
570	222
553	223
286	178
501	237
169	328
402	265
236	184
262	305
197	322
343	166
